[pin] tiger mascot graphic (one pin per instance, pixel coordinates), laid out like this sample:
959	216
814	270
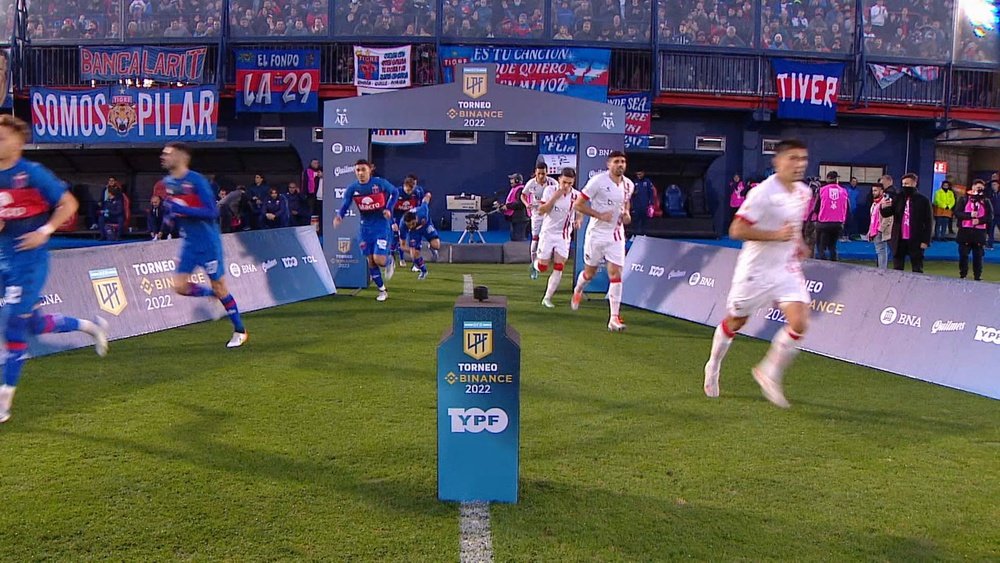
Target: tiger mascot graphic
122	117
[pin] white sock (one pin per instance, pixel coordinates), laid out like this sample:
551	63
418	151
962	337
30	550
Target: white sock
87	326
783	349
534	249
720	345
554	280
581	283
615	297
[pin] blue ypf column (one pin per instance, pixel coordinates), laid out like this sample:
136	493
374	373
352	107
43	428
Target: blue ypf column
479	404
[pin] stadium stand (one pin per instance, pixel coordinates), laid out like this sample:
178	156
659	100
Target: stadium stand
385	18
627	22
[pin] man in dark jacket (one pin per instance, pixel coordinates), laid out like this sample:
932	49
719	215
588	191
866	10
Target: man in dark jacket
299	213
973	212
912	226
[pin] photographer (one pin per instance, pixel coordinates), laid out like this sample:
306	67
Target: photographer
515	210
973	212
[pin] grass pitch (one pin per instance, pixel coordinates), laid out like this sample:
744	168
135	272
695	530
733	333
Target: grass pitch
317	441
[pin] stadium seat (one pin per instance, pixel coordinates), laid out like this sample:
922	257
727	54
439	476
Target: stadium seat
675	201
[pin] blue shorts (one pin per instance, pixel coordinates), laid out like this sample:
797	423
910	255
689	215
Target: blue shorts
374	239
24	277
415	238
208	256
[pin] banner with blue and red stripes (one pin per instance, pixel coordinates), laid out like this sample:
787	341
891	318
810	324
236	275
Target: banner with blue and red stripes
124	115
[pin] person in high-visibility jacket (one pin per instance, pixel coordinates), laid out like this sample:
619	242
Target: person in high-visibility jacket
944	204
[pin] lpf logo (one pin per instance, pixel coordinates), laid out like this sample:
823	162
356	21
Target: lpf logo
474	84
477	339
109	290
494	420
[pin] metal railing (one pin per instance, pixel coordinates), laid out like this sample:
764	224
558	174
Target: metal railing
710	73
634	70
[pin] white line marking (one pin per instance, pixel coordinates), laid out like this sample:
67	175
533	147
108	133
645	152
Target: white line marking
476	539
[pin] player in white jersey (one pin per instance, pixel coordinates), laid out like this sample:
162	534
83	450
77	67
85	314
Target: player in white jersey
531	197
558	221
605	199
768	270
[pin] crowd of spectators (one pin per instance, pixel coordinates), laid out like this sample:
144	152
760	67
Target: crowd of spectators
278	18
488	19
628	21
397	18
821	26
718	23
909	28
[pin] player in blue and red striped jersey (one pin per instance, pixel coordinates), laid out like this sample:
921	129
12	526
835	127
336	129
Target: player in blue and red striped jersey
375	198
416	227
191	202
410	197
33	202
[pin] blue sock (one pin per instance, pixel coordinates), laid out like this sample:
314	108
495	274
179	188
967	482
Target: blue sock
376	275
17	348
195	290
419	262
44	324
233	311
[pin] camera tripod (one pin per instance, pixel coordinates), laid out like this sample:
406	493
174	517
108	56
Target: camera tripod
472	229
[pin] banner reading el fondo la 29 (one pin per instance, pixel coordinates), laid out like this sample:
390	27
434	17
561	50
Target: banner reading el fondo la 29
285	80
124	115
131	285
888	320
581	73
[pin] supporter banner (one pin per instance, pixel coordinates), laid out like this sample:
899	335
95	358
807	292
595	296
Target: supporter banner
131	285
398	137
280	81
382	68
638	111
581	73
807	90
887	75
163	64
558	150
6	81
124	115
888	320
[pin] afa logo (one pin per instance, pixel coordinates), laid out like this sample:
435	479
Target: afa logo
109	290
477	339
122	115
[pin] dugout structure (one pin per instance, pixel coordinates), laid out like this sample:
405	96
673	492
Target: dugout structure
473	102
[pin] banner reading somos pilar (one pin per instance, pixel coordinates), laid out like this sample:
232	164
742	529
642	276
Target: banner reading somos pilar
124	115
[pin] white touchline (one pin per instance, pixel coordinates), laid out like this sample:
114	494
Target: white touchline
476	539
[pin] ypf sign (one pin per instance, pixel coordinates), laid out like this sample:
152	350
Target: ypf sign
479	404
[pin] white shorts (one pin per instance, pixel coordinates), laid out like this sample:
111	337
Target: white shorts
536	223
551	244
746	296
598	249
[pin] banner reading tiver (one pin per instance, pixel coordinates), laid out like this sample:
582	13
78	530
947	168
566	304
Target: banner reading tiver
807	90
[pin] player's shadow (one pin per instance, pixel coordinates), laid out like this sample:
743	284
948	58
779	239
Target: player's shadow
199	441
